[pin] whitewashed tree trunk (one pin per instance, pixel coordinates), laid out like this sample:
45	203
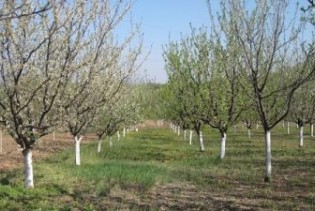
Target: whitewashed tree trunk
268	156
249	133
301	141
223	143
283	124
178	130
137	129
77	142
99	146
312	130
28	168
288	127
190	137
185	135
124	132
110	142
118	135
202	147
257	126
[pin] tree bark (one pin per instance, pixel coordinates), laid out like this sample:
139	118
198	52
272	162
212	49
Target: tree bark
178	130
301	137
268	156
249	133
99	146
288	127
110	142
202	147
223	143
28	168
312	129
190	137
77	141
118	135
185	134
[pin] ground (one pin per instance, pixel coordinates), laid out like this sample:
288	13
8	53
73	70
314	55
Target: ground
224	186
11	155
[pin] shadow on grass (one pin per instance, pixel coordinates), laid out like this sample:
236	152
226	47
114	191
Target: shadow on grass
8	177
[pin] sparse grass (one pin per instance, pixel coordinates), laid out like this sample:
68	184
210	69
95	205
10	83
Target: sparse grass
156	169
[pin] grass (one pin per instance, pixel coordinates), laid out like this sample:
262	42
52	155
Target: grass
156	169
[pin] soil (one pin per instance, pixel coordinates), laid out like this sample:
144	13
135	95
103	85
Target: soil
11	156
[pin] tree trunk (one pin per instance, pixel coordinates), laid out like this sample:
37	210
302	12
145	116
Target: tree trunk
190	137
110	142
77	141
288	127
178	130
268	156
202	147
223	142
118	135
124	132
185	134
28	168
99	145
301	136
312	130
249	133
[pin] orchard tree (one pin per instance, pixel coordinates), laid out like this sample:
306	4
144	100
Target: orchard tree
249	118
42	55
267	42
302	109
183	93
33	71
122	109
102	66
220	94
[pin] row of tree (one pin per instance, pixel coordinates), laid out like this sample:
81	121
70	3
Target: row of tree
62	66
252	64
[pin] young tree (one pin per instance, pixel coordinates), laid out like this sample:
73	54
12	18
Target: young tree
266	40
220	94
183	93
303	108
33	71
122	109
41	56
102	66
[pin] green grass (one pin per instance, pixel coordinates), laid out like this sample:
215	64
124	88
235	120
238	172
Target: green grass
156	169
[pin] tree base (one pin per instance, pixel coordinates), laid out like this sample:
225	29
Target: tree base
267	179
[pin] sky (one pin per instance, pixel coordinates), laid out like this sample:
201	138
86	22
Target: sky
163	21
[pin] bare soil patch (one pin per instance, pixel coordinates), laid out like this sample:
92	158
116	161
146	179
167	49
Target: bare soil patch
11	156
